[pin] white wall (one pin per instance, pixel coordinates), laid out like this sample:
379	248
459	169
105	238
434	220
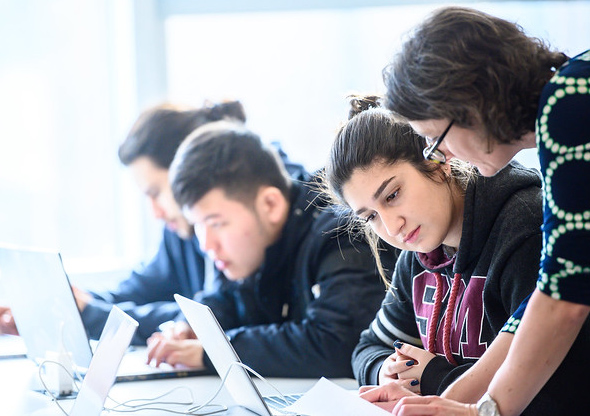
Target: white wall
293	69
69	93
65	104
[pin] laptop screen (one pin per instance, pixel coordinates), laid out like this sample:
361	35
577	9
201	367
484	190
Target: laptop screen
41	299
221	353
113	343
37	289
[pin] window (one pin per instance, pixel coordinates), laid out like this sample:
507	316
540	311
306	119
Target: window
75	75
293	69
66	104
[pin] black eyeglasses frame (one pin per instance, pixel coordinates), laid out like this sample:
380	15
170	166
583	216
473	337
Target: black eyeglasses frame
431	151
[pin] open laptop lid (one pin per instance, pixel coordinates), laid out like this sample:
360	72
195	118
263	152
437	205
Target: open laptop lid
221	353
100	377
38	290
114	340
30	278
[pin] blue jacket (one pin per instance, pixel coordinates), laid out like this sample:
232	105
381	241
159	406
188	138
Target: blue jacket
147	294
301	313
178	267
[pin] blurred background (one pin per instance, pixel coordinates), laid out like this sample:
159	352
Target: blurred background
74	75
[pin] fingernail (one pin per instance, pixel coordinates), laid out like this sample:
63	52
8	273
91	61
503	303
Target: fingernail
398	344
414	383
410	363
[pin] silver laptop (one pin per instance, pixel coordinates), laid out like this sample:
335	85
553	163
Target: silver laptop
223	356
43	305
38	291
114	340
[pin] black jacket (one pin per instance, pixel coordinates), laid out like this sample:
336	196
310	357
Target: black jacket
497	262
179	266
301	314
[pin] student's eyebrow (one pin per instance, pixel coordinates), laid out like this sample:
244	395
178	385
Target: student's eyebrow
377	193
152	191
211	216
382	187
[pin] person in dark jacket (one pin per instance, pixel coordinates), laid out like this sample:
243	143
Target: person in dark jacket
178	266
502	90
470	249
306	289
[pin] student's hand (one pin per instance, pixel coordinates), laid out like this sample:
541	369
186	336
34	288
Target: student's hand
405	367
394	364
386	397
177	330
187	352
432	405
83	298
392	369
415	361
7	325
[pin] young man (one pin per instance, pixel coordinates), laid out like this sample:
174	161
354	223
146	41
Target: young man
179	266
307	287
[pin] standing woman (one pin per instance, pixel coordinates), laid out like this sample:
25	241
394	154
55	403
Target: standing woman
489	91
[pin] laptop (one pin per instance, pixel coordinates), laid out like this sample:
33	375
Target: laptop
223	356
100	377
38	291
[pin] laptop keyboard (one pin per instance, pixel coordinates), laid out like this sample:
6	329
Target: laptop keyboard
279	402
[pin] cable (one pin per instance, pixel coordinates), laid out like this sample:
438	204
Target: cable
222	408
47	390
250	370
268	383
126	403
265	381
77	374
193	411
153	401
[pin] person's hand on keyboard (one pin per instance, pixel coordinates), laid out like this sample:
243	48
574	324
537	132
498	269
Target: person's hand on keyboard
184	352
177	330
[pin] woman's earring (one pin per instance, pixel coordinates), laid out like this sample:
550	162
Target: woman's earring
490	148
447	170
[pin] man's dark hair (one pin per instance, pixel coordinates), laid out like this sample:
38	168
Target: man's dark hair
159	131
227	156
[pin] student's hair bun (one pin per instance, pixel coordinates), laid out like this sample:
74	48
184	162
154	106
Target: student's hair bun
225	109
360	103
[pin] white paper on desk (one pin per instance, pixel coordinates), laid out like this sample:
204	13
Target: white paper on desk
328	399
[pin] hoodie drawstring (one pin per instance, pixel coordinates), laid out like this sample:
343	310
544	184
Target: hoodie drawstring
449	319
435	313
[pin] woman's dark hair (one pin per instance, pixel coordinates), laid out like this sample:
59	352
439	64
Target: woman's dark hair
373	135
465	65
227	156
159	131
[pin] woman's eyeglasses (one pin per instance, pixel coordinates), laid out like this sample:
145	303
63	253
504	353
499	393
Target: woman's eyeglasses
431	151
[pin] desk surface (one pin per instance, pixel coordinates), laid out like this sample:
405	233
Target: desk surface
17	398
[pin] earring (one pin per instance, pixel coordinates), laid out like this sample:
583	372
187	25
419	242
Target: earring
490	146
447	170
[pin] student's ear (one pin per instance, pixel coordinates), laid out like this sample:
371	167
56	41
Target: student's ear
446	168
271	204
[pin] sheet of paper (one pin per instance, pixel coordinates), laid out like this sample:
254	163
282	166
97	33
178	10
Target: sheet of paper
328	399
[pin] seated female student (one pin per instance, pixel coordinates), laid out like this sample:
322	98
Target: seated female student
470	248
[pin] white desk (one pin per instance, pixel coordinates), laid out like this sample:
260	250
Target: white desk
16	397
